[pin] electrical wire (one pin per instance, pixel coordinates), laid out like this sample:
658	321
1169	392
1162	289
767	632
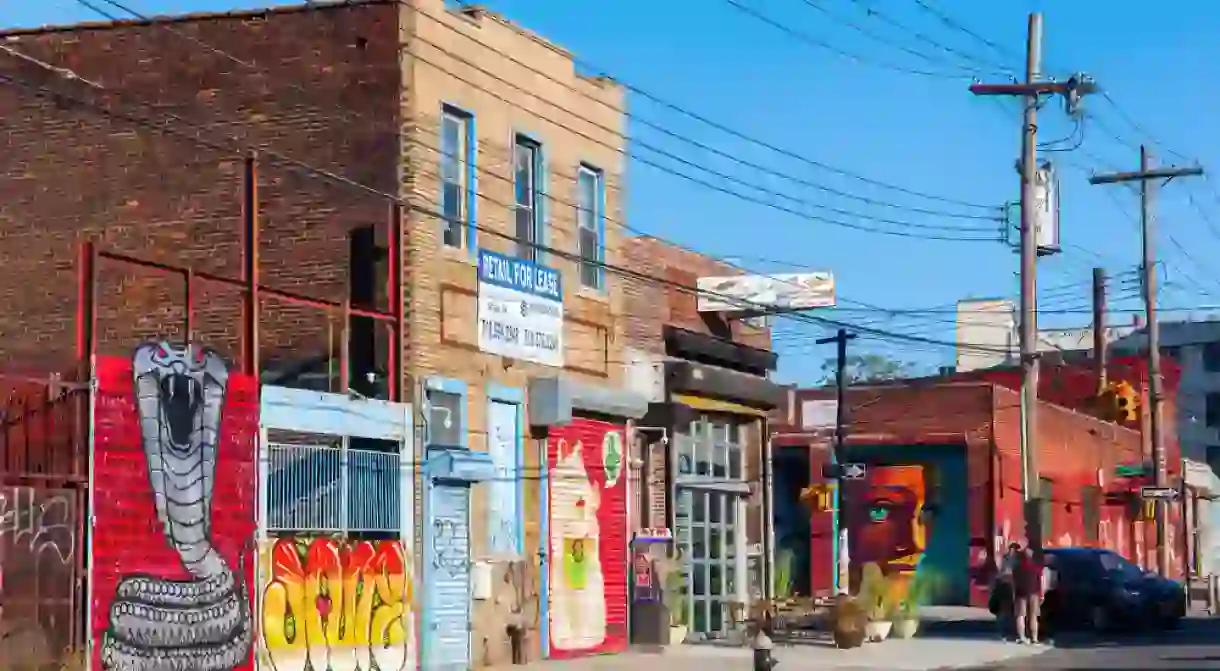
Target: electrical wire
872	11
823	44
972	71
45	92
503	56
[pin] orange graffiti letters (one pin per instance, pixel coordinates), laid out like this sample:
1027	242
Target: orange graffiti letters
338	606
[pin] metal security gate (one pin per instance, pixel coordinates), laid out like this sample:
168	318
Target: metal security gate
336	498
447	576
587	529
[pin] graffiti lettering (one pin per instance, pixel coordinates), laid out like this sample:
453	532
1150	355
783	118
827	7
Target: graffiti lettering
38	523
201	623
338	606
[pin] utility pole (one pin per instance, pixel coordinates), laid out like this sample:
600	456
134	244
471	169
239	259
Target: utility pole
1031	92
840	339
1100	357
1147	176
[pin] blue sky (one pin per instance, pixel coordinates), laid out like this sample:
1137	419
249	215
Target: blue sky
921	133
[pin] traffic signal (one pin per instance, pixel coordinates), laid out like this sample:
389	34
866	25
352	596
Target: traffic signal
818	498
1126	402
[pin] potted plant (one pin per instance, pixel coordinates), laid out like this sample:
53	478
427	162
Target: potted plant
848	622
876	600
673	595
919	591
782	578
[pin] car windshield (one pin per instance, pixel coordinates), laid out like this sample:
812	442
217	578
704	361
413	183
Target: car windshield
1114	563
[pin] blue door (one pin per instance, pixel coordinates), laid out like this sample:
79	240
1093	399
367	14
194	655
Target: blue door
446	639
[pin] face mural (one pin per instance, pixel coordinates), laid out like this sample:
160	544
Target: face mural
340	605
179	602
885	520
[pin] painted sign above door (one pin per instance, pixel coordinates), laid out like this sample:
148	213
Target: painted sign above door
520	309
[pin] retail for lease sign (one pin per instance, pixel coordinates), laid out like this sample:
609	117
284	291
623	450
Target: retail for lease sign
520	309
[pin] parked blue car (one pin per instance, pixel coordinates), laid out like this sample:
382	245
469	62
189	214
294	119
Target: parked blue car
1101	590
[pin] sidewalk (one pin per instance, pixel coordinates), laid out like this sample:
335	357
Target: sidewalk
952	639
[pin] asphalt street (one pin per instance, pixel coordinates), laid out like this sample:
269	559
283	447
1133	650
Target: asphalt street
1195	646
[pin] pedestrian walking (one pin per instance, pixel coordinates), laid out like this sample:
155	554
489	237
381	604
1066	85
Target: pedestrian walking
1028	582
1006	617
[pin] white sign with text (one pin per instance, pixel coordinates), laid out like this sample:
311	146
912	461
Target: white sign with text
520	310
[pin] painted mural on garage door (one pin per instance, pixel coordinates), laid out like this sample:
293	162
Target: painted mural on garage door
174	511
587	581
909	515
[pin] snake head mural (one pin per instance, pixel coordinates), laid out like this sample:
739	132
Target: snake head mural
201	623
885	519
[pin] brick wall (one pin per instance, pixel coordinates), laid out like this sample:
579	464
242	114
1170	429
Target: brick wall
323	89
1072	447
650	305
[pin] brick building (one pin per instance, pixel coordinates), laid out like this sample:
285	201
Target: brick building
701	445
943	468
508	166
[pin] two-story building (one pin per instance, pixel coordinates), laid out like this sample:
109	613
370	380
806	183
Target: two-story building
515	339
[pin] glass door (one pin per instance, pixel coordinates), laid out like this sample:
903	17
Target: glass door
707	533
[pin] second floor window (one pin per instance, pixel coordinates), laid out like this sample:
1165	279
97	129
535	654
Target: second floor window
589	208
1211	357
456	157
1211	410
525	177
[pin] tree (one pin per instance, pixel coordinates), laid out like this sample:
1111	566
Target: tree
866	368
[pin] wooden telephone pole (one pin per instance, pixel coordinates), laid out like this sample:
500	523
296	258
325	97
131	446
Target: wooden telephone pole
1147	177
1031	92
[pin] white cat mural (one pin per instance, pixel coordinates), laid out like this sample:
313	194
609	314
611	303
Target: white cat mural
577	585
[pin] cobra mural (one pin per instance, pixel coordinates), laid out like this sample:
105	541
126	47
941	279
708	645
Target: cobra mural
188	609
333	605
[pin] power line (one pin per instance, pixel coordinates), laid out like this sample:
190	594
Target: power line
46	92
660	128
967	57
822	44
954	24
813	4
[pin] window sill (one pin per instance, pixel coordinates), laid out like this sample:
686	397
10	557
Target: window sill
593	294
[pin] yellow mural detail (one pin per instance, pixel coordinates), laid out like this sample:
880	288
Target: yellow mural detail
338	606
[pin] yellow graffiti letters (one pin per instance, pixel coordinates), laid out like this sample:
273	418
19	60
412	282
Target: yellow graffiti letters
337	606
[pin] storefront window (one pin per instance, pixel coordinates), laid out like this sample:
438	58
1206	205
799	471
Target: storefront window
710	462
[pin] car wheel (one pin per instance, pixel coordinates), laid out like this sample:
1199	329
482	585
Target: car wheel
1172	622
1099	619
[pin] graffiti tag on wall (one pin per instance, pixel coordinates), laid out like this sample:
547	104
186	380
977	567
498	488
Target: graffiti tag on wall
38	522
335	605
174	512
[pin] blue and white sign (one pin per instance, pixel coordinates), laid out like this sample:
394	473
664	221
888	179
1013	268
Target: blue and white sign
520	309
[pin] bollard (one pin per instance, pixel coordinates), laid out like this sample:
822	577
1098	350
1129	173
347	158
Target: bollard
763	661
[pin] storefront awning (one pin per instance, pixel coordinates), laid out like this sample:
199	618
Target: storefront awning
700	379
552	400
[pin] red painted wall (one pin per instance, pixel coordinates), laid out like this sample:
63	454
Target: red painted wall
129	541
587	470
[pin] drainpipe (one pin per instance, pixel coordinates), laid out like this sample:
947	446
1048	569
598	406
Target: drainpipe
768	518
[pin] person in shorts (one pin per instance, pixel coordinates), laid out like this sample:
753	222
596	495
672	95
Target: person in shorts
1028	583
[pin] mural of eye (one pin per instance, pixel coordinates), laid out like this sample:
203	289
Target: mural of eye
878	513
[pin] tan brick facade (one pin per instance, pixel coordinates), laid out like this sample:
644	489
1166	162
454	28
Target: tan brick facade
488	67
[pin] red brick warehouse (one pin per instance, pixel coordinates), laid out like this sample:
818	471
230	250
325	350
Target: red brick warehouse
955	448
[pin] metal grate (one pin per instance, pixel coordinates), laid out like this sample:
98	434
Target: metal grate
330	489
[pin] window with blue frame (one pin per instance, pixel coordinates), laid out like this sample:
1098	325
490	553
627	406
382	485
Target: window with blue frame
590	210
444	419
457	158
526	165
